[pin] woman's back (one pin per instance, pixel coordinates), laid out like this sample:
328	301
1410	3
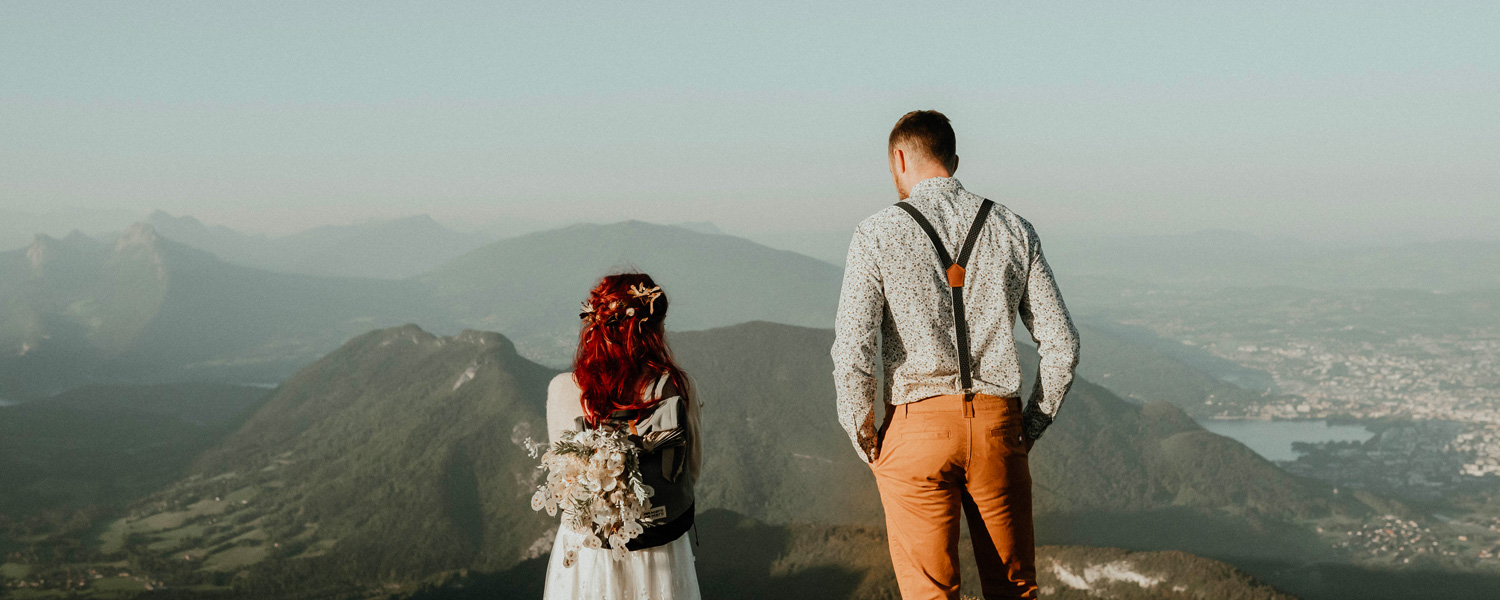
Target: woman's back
565	406
624	368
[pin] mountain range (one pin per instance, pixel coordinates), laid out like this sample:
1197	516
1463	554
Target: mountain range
400	456
384	249
146	308
266	493
529	287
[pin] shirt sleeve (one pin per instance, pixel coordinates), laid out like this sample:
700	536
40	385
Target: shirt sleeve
1044	315
856	345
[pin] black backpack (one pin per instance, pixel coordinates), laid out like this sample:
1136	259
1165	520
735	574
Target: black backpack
663	437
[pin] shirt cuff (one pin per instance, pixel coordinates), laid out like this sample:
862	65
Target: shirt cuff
1034	422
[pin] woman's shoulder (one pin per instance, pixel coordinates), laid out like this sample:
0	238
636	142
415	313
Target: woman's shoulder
562	382
562	404
563	390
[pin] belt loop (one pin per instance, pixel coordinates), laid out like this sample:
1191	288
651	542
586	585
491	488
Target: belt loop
968	405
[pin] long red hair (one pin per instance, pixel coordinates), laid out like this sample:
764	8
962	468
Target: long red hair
622	346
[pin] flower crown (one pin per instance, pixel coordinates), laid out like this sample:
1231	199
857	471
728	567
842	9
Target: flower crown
610	313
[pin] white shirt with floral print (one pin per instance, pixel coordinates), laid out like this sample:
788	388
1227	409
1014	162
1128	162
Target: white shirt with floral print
896	312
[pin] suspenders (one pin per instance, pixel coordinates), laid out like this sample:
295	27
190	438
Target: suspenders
955	271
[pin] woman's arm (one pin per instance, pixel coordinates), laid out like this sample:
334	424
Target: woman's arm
564	405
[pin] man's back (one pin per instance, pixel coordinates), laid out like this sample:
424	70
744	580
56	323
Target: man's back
956	437
893	284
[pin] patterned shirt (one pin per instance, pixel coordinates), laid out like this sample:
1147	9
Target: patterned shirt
896	308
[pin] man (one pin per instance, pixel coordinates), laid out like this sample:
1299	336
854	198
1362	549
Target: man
930	282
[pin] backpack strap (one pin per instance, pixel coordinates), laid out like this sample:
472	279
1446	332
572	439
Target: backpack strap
955	272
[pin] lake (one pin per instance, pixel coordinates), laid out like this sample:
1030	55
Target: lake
1273	439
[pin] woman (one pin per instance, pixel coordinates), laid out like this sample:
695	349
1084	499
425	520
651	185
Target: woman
623	371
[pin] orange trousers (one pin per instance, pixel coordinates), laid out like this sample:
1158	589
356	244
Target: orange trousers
942	453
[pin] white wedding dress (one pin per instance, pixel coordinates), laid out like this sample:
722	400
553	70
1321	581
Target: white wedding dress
666	572
661	573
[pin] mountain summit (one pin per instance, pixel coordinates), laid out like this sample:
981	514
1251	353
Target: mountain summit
401	452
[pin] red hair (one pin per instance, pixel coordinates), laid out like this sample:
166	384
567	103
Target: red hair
622	346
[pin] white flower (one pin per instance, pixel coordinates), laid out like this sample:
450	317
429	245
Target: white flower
598	490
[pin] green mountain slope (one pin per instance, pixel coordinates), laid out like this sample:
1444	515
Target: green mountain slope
396	455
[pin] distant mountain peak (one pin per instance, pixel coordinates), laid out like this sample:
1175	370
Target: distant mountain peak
43	247
142	242
161	217
140	234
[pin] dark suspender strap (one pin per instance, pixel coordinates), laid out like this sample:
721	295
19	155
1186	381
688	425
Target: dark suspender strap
937	242
984	211
956	276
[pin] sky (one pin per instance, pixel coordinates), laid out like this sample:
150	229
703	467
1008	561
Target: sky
1318	120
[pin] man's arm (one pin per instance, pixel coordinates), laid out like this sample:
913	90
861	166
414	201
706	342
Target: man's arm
856	343
1045	316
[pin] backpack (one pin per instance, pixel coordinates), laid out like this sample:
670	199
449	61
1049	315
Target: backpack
662	434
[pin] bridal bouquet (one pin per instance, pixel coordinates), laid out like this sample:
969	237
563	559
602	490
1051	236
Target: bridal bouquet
594	477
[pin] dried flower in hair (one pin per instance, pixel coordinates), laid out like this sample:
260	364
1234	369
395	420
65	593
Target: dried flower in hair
646	295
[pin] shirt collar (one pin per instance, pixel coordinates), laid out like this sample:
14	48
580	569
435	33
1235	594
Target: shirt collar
935	185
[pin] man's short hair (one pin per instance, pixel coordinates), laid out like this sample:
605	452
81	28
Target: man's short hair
926	131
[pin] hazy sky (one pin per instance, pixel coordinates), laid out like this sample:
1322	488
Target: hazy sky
1353	120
